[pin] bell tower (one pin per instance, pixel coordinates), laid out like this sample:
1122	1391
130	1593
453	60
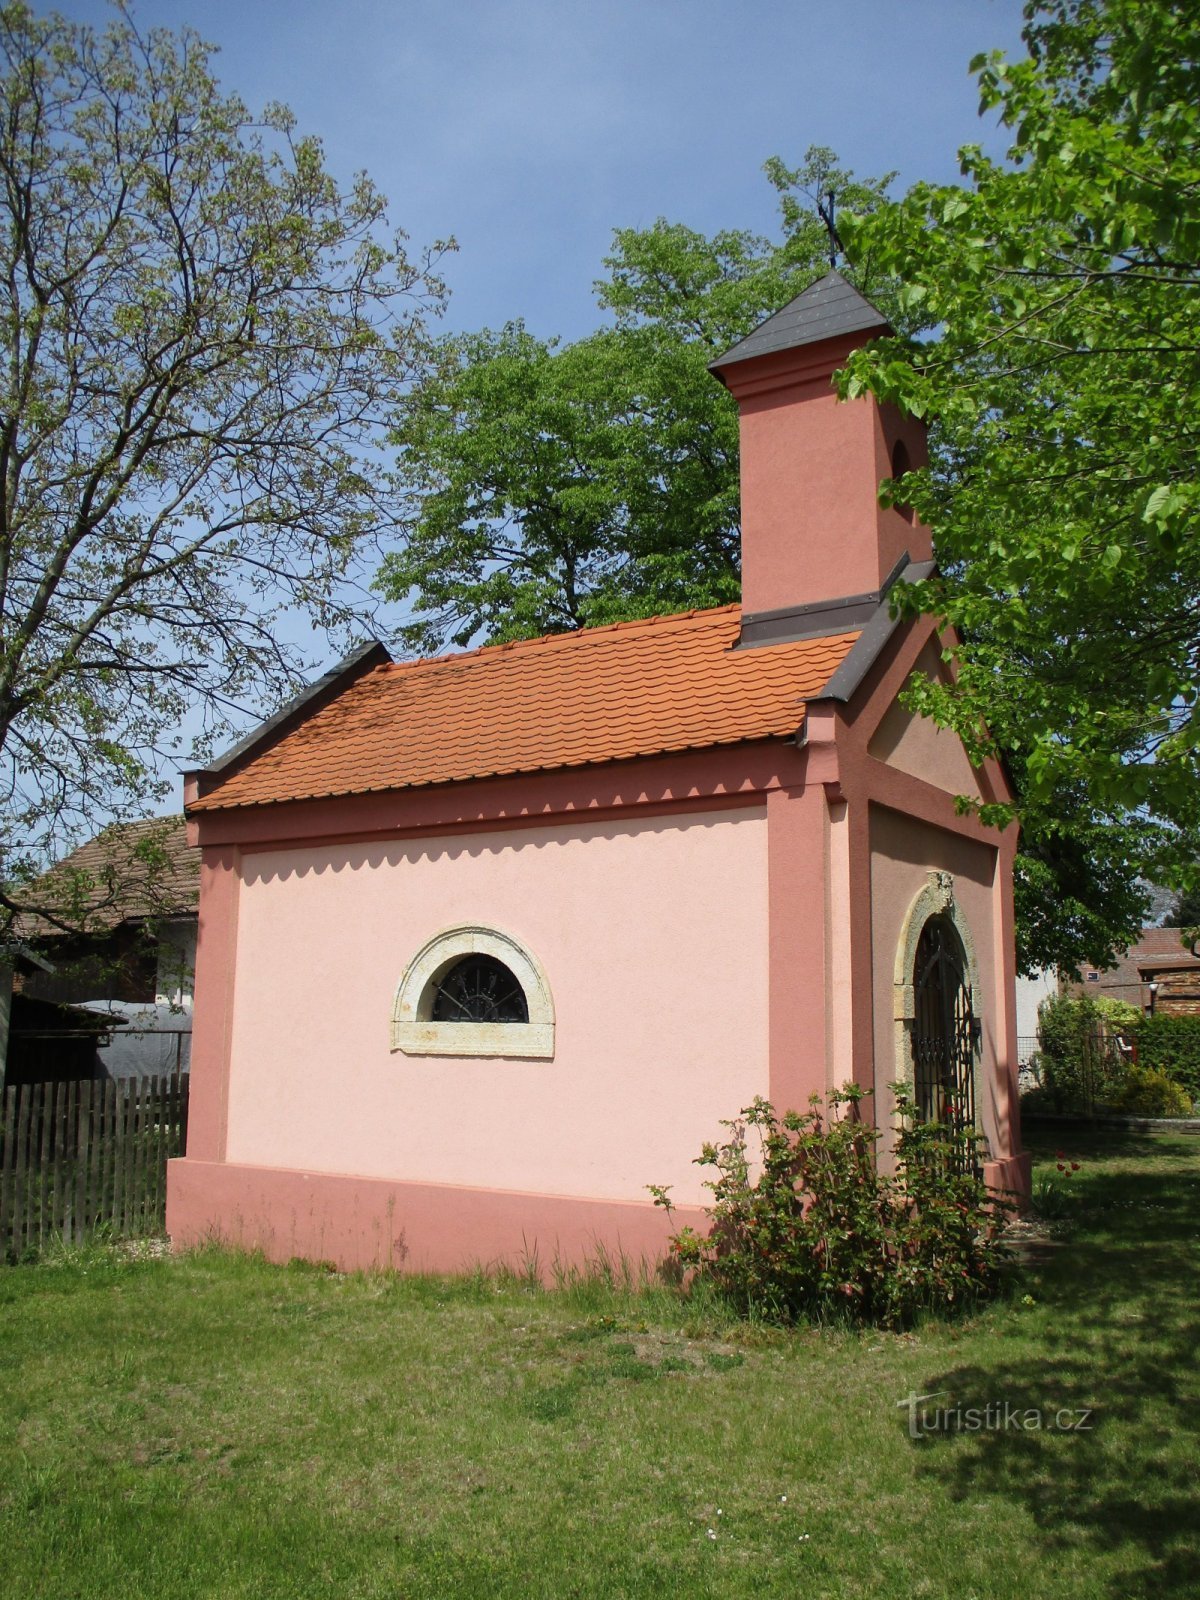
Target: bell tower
814	535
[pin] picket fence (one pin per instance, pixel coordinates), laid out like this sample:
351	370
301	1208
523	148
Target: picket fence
87	1158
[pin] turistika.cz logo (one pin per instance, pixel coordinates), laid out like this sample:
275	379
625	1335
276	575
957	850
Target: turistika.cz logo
997	1416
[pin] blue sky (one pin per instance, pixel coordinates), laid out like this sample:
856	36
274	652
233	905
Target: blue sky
530	129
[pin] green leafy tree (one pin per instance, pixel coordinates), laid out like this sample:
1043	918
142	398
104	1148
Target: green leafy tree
552	485
202	333
1078	899
1062	384
1185	913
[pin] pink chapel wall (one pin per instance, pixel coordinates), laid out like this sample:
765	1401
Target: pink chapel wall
904	851
652	935
916	745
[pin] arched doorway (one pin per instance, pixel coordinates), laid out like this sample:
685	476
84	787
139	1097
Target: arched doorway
944	1030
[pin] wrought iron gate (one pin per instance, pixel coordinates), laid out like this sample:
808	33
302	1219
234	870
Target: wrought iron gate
944	1030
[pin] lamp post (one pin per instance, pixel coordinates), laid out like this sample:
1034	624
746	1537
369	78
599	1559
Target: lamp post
1153	995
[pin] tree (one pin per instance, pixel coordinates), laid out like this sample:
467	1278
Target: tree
1078	899
536	481
202	335
1063	386
1185	913
549	486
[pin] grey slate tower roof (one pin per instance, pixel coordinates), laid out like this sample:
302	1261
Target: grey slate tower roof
829	307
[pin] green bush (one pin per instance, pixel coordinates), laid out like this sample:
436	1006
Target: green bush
1171	1045
1037	1101
1118	1015
1150	1093
1080	1065
821	1234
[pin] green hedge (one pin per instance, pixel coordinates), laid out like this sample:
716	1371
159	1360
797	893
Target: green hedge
1081	1067
1172	1045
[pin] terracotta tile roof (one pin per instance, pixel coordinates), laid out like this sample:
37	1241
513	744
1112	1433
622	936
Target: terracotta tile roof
565	700
130	870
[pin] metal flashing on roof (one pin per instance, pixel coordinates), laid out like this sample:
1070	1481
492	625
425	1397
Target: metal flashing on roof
827	309
868	647
817	619
17	954
364	658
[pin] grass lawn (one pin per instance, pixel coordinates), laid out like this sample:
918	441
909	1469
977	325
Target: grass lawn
213	1426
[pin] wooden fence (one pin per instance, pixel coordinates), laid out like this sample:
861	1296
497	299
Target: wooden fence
87	1157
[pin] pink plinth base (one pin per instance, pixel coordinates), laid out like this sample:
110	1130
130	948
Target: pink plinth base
1010	1174
361	1223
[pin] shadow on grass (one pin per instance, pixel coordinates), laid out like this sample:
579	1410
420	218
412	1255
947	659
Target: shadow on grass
1116	1337
1082	1141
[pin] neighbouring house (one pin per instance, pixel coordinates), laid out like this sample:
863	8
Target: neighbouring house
1032	991
43	1040
124	973
17	962
49	1041
1173	985
1157	954
490	942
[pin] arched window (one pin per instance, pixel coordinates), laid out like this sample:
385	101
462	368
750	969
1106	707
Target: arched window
479	989
473	991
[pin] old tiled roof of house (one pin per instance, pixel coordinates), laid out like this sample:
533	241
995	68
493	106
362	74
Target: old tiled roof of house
663	684
129	871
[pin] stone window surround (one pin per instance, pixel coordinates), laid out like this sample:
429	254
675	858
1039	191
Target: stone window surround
414	1032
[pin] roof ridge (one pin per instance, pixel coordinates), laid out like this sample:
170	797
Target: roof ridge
572	636
123	823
